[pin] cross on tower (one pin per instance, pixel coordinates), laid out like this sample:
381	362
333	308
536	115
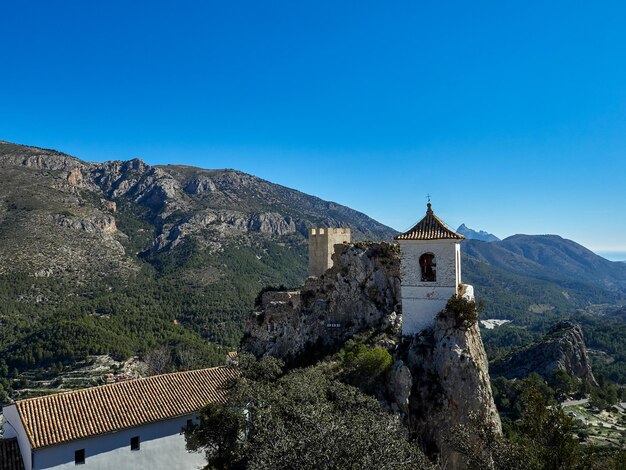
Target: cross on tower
428	196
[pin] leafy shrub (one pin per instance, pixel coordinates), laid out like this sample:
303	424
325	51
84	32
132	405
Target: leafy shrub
465	312
363	366
304	419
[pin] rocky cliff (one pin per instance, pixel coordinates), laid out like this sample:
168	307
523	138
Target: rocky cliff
361	291
439	378
563	348
448	371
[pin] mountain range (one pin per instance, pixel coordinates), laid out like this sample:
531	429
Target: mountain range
471	234
120	257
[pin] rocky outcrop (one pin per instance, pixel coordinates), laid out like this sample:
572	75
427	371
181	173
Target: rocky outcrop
359	292
200	185
563	348
223	224
450	383
75	178
481	235
439	378
100	223
43	160
149	186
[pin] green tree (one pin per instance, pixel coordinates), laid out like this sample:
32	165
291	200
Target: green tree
547	432
562	383
304	419
363	366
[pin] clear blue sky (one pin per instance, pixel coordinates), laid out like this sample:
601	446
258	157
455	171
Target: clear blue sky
513	116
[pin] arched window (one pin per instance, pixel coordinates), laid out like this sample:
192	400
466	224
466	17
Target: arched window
428	267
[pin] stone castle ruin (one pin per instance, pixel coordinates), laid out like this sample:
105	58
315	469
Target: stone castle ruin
322	243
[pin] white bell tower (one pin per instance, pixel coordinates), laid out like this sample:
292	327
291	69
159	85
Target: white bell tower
430	266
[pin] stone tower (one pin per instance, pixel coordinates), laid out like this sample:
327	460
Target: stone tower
430	266
322	243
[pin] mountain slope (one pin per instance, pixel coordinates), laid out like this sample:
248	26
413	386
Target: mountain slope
120	257
551	258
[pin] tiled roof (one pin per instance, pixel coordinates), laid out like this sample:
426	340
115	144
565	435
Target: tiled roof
10	457
430	227
64	417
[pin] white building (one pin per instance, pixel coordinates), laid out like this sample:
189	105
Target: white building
430	264
136	424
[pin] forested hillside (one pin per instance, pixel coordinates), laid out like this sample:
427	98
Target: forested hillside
120	258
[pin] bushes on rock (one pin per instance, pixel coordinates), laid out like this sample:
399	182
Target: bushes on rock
465	312
363	366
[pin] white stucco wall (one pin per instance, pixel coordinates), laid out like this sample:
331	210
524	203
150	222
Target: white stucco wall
421	301
13	427
162	447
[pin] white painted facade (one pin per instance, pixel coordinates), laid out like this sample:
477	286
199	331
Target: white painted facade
161	447
13	427
422	300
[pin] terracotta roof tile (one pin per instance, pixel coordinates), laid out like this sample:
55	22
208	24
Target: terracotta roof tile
63	417
430	227
10	457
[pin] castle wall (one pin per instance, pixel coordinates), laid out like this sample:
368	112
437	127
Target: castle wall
322	243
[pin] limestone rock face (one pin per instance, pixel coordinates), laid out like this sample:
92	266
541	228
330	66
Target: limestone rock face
47	160
200	185
103	223
359	292
451	383
75	177
399	386
272	223
150	186
222	224
563	348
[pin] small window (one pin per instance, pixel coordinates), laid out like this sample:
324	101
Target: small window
428	267
134	443
79	457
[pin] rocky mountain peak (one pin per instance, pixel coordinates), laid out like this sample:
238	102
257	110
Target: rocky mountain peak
563	348
481	235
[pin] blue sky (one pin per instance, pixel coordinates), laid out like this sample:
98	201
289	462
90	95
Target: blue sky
513	117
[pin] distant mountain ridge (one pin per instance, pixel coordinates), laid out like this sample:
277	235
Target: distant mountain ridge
471	234
121	256
551	258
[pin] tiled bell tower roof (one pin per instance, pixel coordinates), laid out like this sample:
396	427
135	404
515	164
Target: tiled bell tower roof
430	227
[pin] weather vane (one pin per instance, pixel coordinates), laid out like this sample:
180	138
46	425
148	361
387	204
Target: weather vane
428	196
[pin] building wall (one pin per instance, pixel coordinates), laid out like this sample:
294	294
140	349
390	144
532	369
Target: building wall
162	446
322	243
13	427
422	301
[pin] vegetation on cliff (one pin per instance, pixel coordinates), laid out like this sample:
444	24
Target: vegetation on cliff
303	418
